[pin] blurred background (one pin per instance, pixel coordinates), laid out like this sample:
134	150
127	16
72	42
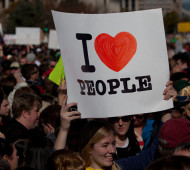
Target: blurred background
37	13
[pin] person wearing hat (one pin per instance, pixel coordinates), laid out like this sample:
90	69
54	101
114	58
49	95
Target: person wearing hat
30	58
173	133
14	67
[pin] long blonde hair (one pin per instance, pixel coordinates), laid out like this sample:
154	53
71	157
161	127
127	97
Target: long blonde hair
102	132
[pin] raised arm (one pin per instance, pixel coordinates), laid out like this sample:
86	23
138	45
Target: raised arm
65	117
62	91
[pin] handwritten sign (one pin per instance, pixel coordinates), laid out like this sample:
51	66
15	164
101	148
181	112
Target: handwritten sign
115	64
9	39
27	35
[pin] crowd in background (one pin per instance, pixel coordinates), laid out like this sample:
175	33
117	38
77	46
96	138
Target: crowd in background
38	131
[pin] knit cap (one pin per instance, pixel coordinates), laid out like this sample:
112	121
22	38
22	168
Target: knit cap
175	132
31	57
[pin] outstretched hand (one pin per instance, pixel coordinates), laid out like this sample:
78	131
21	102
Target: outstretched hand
169	91
66	116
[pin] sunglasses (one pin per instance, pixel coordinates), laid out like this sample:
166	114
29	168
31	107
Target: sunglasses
35	72
116	119
139	116
14	68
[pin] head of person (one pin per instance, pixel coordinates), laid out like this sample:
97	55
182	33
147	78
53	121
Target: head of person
9	153
30	72
22	60
97	145
5	66
49	117
14	66
52	63
30	58
121	125
39	150
4	104
22	146
139	120
25	108
182	61
172	162
65	160
173	133
8	83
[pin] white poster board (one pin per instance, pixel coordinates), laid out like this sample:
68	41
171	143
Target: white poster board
53	43
9	39
27	35
115	64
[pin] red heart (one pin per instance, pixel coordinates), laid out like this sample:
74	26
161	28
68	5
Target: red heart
115	52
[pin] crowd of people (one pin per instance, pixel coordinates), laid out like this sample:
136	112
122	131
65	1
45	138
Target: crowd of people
38	131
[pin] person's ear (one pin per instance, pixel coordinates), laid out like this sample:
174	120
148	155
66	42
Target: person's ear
24	113
6	158
51	127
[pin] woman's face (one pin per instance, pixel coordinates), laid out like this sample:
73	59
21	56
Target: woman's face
101	154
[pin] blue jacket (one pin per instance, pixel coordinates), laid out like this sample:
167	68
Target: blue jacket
141	160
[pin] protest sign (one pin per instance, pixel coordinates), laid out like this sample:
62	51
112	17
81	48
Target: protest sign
115	64
57	73
53	43
9	39
27	35
183	27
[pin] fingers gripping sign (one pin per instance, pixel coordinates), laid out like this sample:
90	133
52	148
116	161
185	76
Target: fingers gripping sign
169	91
66	115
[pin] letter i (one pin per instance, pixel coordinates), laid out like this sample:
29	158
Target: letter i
87	67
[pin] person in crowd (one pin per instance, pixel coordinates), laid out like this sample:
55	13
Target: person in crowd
9	153
4	109
139	122
30	58
182	62
126	142
25	111
7	84
97	144
22	60
49	118
14	66
170	163
22	146
31	74
173	133
39	150
65	160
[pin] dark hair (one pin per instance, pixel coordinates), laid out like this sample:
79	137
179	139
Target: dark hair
8	84
5	148
38	153
183	147
21	146
170	163
50	115
27	70
2	96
